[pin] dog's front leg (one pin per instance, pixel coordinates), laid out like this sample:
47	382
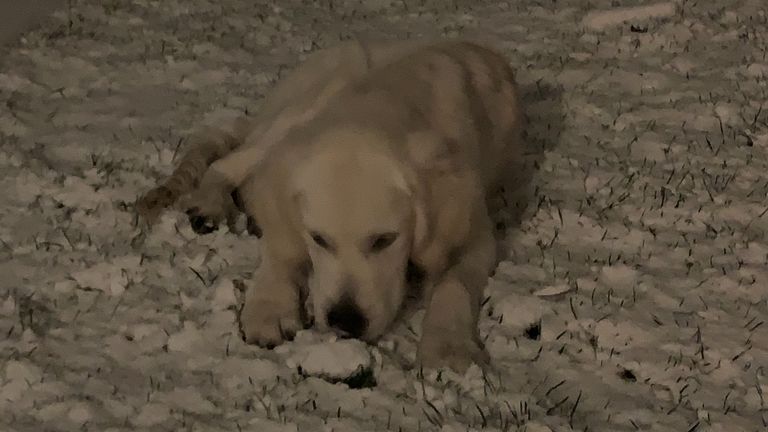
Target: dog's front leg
449	330
272	310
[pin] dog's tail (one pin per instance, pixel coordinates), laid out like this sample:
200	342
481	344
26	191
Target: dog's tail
207	146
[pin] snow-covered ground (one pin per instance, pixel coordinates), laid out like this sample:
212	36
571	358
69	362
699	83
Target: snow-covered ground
635	292
16	16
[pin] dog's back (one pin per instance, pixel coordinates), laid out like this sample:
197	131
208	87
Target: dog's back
451	102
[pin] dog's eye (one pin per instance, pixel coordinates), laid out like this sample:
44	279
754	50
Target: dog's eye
382	241
320	240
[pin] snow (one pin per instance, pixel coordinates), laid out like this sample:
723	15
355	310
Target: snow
112	278
337	359
632	296
152	414
22	371
80	414
757	70
519	311
188	339
224	295
599	20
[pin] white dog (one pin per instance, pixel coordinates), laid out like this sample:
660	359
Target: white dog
369	155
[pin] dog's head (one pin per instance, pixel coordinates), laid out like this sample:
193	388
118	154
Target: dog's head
361	216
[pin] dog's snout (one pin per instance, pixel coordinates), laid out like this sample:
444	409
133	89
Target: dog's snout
347	317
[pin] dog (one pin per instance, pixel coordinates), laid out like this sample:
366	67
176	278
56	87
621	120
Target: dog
368	156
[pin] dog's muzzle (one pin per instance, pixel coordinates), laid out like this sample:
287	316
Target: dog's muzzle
347	319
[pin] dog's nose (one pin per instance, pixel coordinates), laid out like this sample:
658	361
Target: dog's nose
347	317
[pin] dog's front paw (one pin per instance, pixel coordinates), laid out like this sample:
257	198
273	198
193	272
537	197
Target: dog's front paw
442	347
206	209
268	323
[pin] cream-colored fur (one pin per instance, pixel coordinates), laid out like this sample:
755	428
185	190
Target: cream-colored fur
365	169
220	159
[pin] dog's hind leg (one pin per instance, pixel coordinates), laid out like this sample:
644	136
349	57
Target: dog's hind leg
208	145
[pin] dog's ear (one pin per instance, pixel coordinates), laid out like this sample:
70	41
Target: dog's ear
297	200
407	180
296	191
421	222
295	206
427	163
444	195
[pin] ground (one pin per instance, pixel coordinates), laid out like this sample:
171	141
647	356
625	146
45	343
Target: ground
17	16
635	291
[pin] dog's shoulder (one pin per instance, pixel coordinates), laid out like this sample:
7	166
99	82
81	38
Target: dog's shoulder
463	104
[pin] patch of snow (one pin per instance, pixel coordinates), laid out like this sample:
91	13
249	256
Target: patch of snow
187	399
16	370
519	311
112	278
619	277
264	425
12	127
54	412
189	339
599	20
331	359
224	294
757	70
80	414
152	414
536	427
